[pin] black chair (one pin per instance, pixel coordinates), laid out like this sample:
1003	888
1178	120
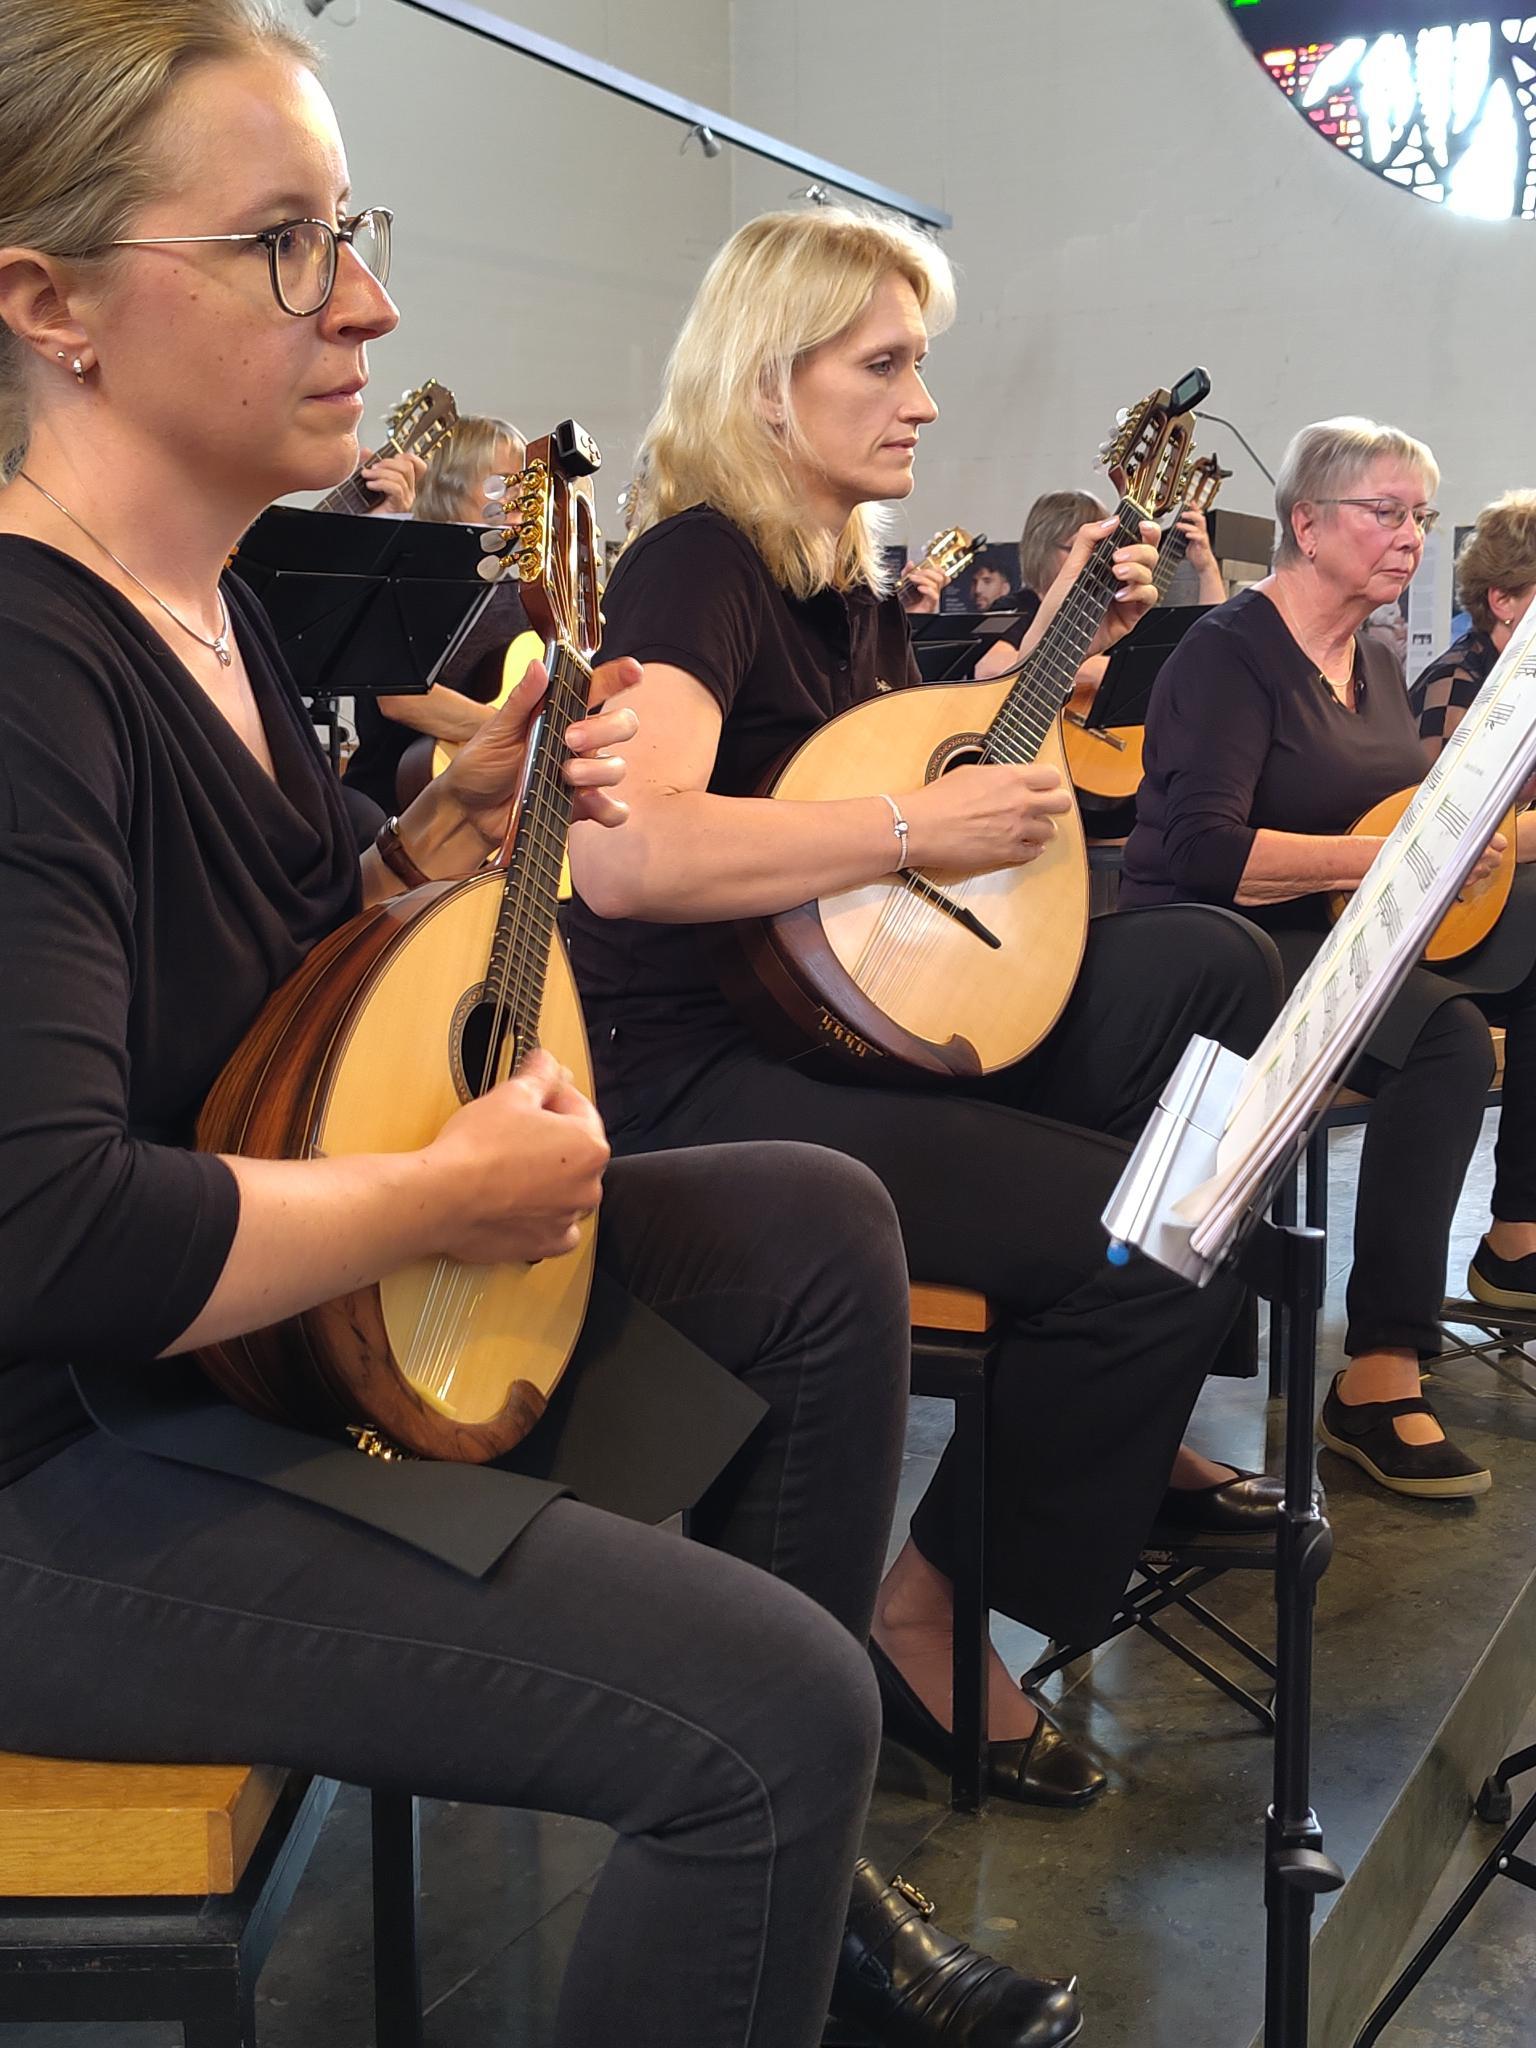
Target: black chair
195	1960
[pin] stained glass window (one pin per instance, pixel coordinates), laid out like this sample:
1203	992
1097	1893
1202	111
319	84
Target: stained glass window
1446	110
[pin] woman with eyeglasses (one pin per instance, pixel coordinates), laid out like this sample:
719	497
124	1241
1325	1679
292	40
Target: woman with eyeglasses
171	847
1274	726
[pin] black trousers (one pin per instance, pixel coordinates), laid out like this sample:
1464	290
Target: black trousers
1002	1190
1424	1125
713	1705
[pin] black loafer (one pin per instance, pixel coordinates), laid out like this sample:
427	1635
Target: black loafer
1502	1283
1043	1769
904	1983
1246	1505
1363	1433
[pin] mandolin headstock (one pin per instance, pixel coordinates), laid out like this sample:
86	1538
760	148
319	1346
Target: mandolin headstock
544	532
424	419
1153	444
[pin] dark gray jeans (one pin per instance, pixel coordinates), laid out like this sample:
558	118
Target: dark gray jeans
712	1704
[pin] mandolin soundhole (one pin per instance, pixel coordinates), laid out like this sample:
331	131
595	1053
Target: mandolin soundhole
960	750
482	1047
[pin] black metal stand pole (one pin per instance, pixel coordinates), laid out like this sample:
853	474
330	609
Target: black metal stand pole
1285	1263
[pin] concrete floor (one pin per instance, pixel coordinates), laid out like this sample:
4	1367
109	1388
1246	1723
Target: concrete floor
1154	1895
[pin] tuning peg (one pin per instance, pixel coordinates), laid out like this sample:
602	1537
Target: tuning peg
492	569
494	542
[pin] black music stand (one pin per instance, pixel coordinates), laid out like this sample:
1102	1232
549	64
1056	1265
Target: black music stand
362	606
947	644
1135	663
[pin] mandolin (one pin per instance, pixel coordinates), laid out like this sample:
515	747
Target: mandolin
422	422
397	1019
943	972
1105	760
950	551
1470	919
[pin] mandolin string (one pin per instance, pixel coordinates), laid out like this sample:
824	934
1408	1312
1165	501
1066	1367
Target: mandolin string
907	929
457	1289
530	897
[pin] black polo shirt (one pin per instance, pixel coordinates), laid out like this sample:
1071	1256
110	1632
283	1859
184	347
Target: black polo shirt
695	594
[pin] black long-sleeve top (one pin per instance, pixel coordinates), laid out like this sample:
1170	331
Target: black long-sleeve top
155	885
1243	735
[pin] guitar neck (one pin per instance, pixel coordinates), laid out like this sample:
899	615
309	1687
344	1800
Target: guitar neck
1170	557
354	495
1044	685
530	899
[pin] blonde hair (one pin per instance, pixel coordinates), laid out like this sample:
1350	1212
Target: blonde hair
82	84
1328	459
1498	554
467	457
783	285
1050	521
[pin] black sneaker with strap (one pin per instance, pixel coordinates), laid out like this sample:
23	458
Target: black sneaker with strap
1363	1432
1502	1283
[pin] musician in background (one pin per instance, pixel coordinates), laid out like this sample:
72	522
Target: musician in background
989	586
793	400
1495	582
462	699
172	847
1273	726
1050	527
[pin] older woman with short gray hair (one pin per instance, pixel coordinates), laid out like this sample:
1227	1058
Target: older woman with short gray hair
1273	727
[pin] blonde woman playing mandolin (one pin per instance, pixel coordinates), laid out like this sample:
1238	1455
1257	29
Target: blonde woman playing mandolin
1273	728
171	848
793	402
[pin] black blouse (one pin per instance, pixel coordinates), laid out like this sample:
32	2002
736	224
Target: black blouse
151	873
1243	735
694	593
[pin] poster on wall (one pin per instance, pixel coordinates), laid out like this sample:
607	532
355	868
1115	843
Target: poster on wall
1428	619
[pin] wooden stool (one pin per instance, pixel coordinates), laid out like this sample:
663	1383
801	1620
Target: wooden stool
954	1335
133	1892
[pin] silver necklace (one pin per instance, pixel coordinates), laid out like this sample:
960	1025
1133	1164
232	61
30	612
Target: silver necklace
219	645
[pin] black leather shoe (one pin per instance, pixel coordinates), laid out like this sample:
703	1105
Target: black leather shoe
1362	1431
904	1983
1245	1506
1043	1769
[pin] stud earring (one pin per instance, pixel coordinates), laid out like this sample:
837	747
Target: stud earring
79	369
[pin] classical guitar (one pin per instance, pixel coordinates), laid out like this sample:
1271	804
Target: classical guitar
1105	760
950	552
1470	919
957	973
396	1020
423	421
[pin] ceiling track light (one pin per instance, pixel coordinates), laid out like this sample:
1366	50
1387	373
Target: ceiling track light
709	141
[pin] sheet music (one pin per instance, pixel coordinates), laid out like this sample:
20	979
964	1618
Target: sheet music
1381	935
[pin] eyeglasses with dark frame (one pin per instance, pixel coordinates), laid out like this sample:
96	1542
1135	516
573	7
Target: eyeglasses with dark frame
1390	513
302	254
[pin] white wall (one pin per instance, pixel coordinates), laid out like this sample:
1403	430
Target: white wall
547	234
1131	195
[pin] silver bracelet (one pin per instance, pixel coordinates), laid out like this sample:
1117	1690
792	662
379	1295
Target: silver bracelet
899	827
